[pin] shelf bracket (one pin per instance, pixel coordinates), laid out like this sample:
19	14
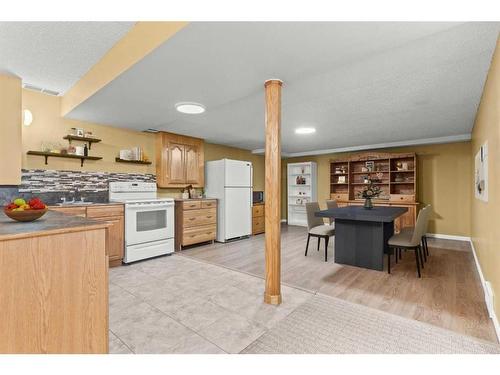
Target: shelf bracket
81	162
46	159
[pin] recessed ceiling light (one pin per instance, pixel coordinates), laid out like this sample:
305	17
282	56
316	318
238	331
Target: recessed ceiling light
305	130
190	108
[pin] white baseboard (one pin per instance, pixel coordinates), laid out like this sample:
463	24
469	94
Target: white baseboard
283	220
493	316
448	237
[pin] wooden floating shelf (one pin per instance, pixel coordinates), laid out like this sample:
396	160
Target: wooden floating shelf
89	140
67	156
339	183
403	182
406	170
373	183
370	172
118	160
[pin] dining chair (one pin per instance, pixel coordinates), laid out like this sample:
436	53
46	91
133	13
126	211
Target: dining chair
425	248
316	227
410	241
331	204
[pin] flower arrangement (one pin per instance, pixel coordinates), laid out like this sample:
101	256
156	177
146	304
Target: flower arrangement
370	191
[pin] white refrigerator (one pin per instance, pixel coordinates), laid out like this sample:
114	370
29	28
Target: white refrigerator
230	181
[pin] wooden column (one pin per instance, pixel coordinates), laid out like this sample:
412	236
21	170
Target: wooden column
272	294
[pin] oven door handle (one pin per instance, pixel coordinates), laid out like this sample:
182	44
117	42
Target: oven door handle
148	206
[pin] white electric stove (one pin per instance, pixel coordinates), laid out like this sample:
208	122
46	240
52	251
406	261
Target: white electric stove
149	220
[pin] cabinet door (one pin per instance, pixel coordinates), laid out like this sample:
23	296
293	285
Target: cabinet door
192	156
115	239
176	163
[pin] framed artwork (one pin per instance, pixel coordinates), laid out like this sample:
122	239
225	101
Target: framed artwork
481	173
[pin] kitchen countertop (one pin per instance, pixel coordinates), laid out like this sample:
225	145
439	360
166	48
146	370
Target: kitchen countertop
51	223
194	199
86	205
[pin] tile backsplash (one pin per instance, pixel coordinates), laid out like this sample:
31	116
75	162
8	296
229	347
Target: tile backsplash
51	185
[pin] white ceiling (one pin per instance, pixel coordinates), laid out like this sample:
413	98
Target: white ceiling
357	83
55	55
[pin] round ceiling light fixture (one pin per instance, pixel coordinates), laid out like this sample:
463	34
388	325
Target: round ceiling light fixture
27	117
190	108
305	130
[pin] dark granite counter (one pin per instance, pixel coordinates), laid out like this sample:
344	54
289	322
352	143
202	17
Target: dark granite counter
378	214
51	223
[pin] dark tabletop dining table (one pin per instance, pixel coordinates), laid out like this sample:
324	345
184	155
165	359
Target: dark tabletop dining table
361	235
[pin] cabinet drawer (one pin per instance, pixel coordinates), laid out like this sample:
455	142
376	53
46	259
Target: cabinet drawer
192	218
258	225
258	210
402	198
339	196
208	204
77	211
198	234
191	205
105	211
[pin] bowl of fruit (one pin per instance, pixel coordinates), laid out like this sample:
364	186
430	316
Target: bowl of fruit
21	210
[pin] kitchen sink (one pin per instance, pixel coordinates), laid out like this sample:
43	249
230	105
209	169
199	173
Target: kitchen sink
75	203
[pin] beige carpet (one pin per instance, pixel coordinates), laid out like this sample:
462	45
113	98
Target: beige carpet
330	325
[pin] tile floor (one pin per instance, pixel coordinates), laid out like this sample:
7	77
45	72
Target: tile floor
175	304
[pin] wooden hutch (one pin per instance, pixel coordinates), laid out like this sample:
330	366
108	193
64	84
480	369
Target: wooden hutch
395	174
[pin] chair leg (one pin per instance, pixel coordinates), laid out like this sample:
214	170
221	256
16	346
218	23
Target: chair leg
326	248
319	239
399	250
426	246
307	245
420	257
423	250
418	262
396	254
389	261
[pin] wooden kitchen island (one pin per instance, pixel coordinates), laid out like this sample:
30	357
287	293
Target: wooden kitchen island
53	285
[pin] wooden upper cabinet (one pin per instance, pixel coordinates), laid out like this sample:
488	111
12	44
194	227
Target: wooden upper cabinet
192	164
180	161
176	163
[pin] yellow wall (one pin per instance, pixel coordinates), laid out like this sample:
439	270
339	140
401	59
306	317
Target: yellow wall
486	215
444	181
10	129
48	126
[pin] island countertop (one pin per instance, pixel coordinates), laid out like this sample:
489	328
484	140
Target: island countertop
51	223
379	214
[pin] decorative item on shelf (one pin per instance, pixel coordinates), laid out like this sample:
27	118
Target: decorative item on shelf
370	166
399	166
302	170
404	166
364	169
71	150
368	193
79	150
398	178
79	132
88	134
300	180
341	180
366	179
380	176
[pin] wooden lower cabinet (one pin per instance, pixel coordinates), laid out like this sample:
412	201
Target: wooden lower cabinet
54	293
407	220
114	215
195	221
258	214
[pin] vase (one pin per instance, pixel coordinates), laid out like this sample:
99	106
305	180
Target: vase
368	204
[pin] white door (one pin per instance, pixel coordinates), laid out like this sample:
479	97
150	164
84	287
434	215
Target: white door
238	173
237	212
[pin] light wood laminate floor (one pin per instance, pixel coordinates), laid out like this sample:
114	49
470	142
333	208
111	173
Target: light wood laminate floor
448	295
